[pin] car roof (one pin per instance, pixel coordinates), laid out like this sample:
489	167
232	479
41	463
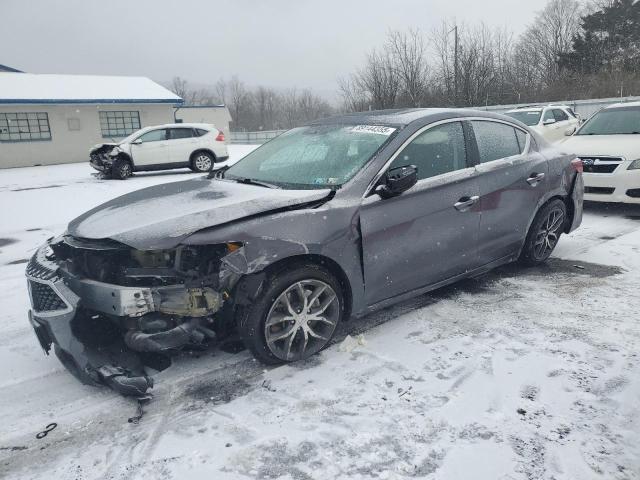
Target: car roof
537	108
624	104
526	109
405	116
206	126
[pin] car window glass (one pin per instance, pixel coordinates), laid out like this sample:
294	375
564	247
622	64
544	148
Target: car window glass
495	140
200	132
548	115
560	115
522	139
177	133
436	151
153	136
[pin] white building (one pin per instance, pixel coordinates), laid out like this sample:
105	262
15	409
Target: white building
47	119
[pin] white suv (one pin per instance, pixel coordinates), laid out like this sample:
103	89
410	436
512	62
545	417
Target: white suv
162	147
552	122
609	146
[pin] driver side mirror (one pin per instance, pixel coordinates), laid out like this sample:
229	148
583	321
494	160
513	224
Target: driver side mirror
397	180
137	141
549	121
570	131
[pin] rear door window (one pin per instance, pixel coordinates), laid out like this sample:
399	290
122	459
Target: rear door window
438	150
548	115
522	139
495	140
560	115
178	133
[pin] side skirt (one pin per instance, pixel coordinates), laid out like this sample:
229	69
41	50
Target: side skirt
160	166
434	286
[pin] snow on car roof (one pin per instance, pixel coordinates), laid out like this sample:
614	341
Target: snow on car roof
21	88
623	105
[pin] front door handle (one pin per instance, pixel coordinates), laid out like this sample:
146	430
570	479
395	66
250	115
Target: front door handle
465	203
535	178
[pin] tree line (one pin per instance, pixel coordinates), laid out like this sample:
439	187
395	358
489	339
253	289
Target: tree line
572	49
259	108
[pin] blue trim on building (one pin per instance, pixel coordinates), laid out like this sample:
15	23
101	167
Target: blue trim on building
203	106
52	101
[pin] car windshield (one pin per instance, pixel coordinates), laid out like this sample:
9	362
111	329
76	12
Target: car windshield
613	121
321	156
528	117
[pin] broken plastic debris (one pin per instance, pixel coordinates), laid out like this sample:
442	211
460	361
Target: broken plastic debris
350	343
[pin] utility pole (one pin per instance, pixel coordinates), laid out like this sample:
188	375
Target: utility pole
455	65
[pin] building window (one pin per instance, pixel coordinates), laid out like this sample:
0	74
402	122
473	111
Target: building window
24	127
119	124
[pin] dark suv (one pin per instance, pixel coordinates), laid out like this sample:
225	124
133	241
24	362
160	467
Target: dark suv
337	218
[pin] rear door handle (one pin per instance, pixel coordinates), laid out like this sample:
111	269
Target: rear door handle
535	178
465	203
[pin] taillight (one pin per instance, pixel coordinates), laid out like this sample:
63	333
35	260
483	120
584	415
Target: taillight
576	163
220	137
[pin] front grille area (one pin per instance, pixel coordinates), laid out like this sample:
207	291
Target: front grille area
599	190
39	267
600	164
634	193
44	298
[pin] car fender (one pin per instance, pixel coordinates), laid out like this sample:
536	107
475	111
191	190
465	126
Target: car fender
314	233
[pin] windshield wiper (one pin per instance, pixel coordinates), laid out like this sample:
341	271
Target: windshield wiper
251	181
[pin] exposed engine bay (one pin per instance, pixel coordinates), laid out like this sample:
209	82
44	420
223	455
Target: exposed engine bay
128	309
101	157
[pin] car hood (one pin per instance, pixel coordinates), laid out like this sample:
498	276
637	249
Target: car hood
627	146
161	216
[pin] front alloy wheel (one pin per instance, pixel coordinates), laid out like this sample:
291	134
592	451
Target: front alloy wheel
302	320
295	315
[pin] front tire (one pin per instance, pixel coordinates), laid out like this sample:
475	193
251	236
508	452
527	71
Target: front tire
544	233
295	315
202	162
121	169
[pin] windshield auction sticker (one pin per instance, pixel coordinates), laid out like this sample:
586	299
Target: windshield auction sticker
377	129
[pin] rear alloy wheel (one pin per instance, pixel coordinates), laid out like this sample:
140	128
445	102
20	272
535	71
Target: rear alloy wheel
544	233
295	317
202	162
121	169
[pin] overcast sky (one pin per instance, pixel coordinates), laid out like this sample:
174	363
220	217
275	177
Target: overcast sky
278	43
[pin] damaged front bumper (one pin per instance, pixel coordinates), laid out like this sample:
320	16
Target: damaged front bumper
111	334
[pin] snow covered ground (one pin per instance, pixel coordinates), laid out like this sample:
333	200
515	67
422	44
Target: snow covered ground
521	374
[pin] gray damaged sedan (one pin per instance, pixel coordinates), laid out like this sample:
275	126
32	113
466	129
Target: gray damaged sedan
327	221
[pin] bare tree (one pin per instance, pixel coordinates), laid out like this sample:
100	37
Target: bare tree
354	98
444	46
551	36
407	51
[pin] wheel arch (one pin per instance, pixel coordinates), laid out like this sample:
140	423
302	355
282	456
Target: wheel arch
206	150
310	258
565	198
125	156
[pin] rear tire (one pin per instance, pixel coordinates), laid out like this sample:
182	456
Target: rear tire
121	169
304	306
544	233
202	162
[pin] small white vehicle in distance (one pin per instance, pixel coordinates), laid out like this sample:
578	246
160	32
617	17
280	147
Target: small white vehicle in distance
609	146
197	146
552	122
